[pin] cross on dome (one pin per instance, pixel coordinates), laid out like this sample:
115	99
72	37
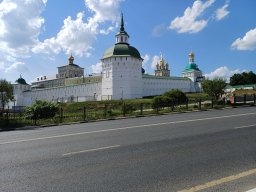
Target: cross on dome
71	59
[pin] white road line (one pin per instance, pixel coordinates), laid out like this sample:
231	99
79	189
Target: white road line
90	150
252	190
245	126
220	181
124	128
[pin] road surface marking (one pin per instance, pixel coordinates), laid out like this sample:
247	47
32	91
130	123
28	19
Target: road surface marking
252	190
245	126
90	150
124	128
220	181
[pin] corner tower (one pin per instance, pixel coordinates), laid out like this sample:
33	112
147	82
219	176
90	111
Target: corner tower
193	72
121	69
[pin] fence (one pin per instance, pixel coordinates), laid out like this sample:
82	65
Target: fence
73	99
111	110
77	99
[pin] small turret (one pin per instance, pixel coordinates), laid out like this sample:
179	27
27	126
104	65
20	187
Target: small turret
192	71
122	36
191	57
71	60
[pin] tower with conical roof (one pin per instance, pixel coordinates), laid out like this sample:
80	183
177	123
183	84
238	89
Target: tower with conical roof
121	69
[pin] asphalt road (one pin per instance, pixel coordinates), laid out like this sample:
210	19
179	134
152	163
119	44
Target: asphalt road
207	151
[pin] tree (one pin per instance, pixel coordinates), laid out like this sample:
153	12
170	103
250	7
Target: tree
42	109
214	88
243	78
6	92
251	78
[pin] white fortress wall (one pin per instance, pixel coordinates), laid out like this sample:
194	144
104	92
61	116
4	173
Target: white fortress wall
76	93
153	85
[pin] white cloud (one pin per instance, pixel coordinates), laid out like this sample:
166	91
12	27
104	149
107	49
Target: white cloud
6	7
149	63
17	67
155	60
248	42
1	65
222	12
77	35
45	1
188	23
107	31
21	22
20	25
146	59
104	10
223	72
97	68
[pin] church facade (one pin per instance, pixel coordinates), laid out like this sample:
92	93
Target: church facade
122	77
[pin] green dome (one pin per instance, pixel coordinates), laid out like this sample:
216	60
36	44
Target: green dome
21	81
191	66
121	49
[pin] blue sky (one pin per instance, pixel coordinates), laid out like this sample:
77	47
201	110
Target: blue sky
37	36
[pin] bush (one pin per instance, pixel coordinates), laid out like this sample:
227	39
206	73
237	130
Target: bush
207	105
129	108
162	101
195	106
178	96
42	110
158	102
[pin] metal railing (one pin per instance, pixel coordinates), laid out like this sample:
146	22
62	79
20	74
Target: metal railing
110	110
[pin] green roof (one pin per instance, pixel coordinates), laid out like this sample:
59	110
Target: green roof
21	81
161	77
121	49
191	67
